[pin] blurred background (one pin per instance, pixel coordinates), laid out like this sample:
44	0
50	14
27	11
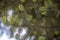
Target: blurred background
29	19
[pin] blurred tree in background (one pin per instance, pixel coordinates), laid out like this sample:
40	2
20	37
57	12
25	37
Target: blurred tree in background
42	17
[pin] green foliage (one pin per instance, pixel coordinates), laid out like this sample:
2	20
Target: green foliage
41	38
21	22
15	20
46	9
34	0
43	10
21	7
4	19
29	18
22	1
48	3
34	21
17	36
